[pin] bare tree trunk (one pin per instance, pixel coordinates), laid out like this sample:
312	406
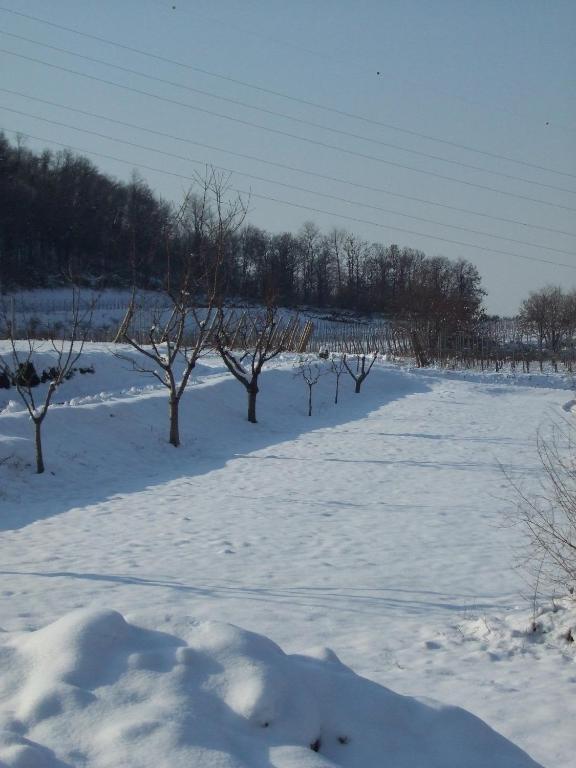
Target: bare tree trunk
174	422
337	388
419	354
309	400
252	393
358	386
38	445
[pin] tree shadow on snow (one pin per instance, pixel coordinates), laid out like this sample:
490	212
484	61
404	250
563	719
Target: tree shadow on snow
116	448
346	600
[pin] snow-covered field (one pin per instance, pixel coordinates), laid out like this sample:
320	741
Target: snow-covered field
378	528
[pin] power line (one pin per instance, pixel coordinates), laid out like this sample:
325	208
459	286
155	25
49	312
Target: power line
277	131
252	176
280	94
299	205
284	116
331	57
280	183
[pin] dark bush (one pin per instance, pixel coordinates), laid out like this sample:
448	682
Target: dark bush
53	374
26	376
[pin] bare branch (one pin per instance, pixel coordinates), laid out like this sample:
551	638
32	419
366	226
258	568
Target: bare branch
549	517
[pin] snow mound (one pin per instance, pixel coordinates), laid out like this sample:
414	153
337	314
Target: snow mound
548	628
93	690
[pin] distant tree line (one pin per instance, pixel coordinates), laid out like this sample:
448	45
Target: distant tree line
60	215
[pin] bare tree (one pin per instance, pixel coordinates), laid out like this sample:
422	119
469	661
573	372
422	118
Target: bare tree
176	339
549	313
361	372
337	367
310	370
18	368
171	351
247	346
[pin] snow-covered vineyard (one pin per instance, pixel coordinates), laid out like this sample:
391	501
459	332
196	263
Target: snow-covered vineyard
205	606
45	313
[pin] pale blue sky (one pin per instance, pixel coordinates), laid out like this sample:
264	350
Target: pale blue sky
497	75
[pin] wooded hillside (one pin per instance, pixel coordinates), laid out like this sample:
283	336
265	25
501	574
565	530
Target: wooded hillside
59	215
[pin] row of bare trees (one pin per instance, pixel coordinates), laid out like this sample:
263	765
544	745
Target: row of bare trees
179	334
311	369
173	346
244	355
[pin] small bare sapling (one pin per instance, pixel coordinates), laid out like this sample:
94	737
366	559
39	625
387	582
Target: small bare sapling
337	367
310	370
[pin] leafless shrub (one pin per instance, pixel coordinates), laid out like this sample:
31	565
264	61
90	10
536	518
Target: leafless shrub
549	515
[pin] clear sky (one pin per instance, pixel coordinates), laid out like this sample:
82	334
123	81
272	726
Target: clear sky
416	78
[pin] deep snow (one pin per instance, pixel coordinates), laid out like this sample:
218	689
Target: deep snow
111	694
378	527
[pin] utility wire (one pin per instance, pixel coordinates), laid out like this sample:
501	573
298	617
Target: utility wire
283	115
280	183
277	131
289	97
361	71
300	206
290	168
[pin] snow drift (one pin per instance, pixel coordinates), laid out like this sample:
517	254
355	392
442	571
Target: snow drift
93	690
